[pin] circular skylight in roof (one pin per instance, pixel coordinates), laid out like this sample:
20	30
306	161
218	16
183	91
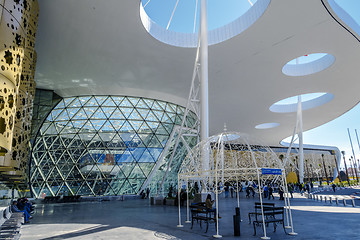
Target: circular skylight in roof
308	64
267	125
308	101
176	22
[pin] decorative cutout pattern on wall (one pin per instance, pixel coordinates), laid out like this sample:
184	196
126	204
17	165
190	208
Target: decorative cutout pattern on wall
18	25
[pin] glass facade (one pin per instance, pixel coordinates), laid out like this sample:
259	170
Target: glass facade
44	102
105	145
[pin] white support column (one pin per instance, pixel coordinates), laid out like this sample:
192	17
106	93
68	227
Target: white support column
178	196
217	235
222	157
287	205
300	134
262	206
187	202
286	193
237	192
204	89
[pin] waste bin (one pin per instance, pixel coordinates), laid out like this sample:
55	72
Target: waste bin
236	221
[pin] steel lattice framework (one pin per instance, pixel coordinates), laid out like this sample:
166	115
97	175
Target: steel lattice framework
233	157
106	145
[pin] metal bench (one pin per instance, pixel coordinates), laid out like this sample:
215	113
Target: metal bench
200	213
258	209
10	229
273	215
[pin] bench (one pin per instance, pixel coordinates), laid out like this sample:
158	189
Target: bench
74	198
51	199
258	209
200	213
10	229
58	199
273	215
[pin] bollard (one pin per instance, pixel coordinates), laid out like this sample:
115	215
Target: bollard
337	201
353	202
344	202
330	200
320	198
325	199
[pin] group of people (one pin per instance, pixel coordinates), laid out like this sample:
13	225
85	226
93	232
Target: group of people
25	206
233	189
145	193
300	187
268	190
250	187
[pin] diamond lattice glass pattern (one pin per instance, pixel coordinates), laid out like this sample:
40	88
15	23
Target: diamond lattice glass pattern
101	145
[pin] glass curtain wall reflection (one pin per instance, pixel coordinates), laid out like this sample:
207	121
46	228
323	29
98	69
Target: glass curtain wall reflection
105	145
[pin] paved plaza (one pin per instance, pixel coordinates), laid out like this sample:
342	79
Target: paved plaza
137	219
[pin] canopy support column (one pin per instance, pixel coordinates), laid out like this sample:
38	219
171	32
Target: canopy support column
187	202
204	82
178	196
301	148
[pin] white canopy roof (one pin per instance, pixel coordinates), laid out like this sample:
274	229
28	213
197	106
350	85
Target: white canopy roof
101	47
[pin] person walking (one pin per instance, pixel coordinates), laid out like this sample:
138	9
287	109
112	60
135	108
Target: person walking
281	193
247	191
226	191
266	191
271	192
252	188
291	190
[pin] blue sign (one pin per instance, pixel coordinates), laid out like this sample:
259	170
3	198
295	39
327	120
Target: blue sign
271	171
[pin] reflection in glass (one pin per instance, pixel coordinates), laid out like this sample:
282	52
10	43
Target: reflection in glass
106	145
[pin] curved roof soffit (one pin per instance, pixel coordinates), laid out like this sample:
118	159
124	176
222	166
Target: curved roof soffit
245	72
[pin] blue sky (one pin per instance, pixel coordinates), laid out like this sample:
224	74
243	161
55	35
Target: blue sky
333	133
183	17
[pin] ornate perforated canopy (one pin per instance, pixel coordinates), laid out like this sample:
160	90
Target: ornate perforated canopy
229	157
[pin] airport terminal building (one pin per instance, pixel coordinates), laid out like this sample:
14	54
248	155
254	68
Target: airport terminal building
95	95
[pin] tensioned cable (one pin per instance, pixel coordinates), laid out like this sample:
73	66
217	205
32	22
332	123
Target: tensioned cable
146	3
322	1
172	15
195	16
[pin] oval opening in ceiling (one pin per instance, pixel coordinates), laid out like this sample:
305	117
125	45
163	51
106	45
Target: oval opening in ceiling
308	101
176	22
267	125
308	64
